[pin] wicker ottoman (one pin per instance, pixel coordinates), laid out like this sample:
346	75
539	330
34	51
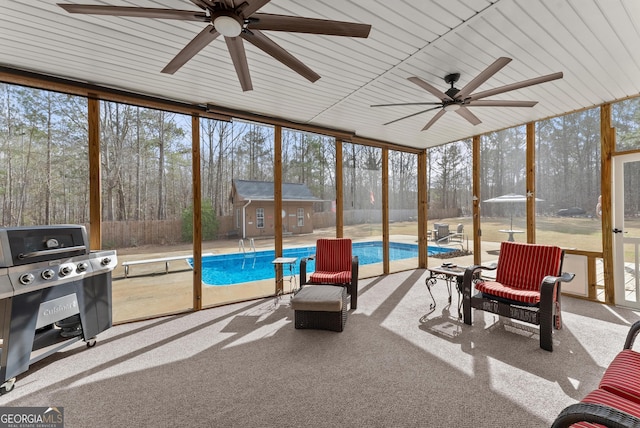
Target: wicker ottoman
322	307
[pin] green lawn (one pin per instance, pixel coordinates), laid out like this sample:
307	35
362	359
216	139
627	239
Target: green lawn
580	233
575	232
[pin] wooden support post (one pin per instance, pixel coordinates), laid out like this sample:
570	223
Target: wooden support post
339	191
277	198
422	210
531	182
95	187
477	232
196	184
607	139
385	211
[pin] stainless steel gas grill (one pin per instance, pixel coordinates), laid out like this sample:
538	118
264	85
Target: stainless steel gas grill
53	292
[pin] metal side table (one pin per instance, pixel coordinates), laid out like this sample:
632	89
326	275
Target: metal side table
450	274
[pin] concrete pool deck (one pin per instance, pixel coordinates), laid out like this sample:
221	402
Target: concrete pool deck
149	292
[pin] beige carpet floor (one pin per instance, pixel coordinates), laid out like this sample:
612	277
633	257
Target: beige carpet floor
395	365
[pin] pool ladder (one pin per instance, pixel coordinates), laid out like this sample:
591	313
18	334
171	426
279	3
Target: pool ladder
242	248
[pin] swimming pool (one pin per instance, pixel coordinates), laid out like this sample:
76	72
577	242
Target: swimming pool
235	268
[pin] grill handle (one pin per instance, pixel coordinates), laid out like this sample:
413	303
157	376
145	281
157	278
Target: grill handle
53	251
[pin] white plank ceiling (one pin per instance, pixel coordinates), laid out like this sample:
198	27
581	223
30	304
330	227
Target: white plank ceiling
593	42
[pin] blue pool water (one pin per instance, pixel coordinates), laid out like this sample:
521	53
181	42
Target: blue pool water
235	268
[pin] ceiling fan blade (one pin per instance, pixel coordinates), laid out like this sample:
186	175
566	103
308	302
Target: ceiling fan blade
205	37
239	58
228	4
498	103
249	7
406	104
466	113
434	119
517	85
429	88
411	115
483	77
138	12
261	41
202	4
295	24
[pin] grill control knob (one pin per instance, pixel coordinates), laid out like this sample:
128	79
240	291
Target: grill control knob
48	274
82	266
106	261
26	278
65	270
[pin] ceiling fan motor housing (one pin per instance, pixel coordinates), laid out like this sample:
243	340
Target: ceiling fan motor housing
227	23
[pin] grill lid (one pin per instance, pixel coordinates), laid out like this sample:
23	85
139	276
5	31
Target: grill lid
33	244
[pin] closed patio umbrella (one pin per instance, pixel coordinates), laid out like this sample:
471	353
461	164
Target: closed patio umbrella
510	198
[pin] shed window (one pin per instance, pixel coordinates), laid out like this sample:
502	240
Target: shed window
260	218
300	217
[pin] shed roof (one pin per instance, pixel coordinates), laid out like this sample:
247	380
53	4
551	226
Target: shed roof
263	191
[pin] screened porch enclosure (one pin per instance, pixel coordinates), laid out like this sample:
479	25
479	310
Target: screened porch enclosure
370	193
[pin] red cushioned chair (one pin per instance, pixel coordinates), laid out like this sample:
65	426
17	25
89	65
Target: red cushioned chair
616	401
527	287
335	265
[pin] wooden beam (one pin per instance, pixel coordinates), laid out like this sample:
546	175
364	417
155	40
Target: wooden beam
277	201
67	86
477	232
422	210
276	121
385	211
607	140
531	182
95	186
339	191
382	144
196	185
211	111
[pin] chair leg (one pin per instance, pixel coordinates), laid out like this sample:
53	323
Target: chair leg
466	298
353	292
547	319
557	318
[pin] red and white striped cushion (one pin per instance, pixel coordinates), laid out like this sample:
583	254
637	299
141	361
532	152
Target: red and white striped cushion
519	295
523	266
343	277
333	255
600	396
333	261
622	377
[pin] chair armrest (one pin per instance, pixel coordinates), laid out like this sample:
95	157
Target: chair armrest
550	287
354	282
303	269
470	273
354	270
566	277
631	335
595	413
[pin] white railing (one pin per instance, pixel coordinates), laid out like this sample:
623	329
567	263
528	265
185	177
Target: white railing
242	248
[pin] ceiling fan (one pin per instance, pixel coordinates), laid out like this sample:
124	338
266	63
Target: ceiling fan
459	100
236	20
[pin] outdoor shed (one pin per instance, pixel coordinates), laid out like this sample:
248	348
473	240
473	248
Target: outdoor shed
253	207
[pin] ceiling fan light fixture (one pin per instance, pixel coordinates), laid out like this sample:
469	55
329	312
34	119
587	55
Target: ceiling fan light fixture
452	107
228	26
